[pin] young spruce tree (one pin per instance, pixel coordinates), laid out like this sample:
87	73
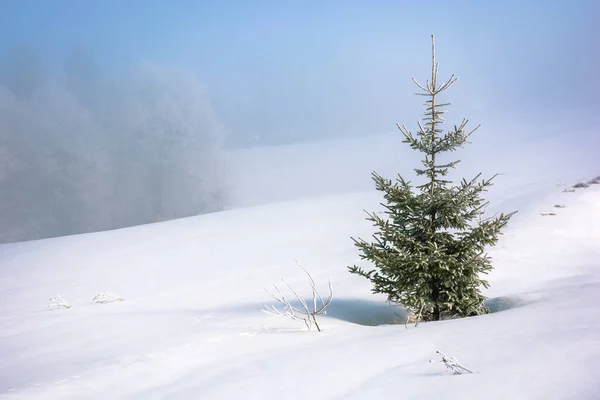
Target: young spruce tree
429	253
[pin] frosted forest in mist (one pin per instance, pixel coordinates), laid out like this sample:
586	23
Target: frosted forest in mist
116	114
80	152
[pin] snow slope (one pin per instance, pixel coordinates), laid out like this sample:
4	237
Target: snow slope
191	326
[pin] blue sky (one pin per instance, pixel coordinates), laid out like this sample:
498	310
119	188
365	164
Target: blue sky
331	68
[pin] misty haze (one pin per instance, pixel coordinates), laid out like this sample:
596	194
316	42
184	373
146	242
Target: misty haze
114	115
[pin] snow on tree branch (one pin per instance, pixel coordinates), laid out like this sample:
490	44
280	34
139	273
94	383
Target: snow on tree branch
452	364
305	313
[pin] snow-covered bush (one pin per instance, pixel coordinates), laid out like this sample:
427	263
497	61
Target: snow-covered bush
106	297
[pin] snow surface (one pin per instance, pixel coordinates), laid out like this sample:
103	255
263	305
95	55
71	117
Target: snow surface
191	326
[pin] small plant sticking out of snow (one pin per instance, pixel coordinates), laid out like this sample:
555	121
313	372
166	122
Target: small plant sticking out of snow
58	302
306	314
106	297
412	317
545	214
580	185
566	189
452	364
560	206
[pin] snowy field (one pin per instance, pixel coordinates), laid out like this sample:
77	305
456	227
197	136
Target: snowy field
191	326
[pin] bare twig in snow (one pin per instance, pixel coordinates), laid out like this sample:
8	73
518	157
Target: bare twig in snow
306	313
452	364
419	315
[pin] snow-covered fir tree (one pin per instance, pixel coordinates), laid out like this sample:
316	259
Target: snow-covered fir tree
429	250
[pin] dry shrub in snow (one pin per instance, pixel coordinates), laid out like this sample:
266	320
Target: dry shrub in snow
306	313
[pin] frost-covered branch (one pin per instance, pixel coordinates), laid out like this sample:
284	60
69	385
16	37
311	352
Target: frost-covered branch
565	188
305	313
58	302
452	364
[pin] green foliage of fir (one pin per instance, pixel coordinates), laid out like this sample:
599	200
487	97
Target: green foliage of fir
429	252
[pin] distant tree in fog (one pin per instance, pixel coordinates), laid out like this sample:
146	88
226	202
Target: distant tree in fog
76	160
168	151
94	154
54	181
